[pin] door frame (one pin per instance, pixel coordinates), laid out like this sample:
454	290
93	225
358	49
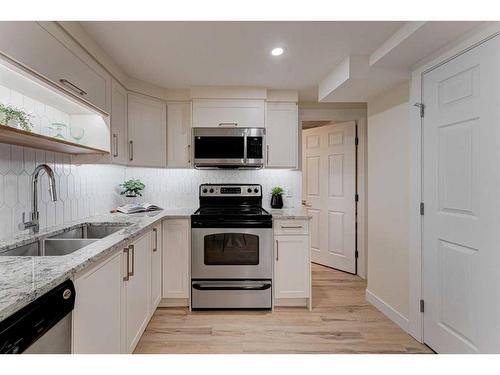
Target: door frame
464	44
357	115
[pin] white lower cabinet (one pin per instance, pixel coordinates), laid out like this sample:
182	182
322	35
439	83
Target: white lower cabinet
292	270
96	317
156	265
137	290
176	261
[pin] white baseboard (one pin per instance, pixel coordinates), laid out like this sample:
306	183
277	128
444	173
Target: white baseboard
174	302
387	310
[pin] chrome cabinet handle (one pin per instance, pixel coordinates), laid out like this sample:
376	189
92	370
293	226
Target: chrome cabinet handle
127	276
291	226
115	145
189	154
228	124
155	231
132	248
277	250
131	150
267	154
72	86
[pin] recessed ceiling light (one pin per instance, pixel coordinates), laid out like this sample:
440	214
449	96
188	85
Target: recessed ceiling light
278	51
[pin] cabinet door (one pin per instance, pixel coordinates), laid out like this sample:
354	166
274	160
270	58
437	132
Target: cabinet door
179	135
291	267
156	255
96	317
147	131
34	46
282	135
229	113
176	258
119	141
137	291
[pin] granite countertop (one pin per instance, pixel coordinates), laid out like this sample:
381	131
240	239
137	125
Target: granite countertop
25	278
290	213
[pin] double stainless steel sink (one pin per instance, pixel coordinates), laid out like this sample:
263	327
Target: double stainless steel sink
66	242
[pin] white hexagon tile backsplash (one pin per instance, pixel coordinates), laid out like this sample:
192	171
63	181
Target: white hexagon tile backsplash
86	190
82	190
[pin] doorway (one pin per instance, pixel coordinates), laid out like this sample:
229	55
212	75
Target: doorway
329	173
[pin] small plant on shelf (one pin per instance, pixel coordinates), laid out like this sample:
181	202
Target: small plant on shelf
276	197
132	188
15	117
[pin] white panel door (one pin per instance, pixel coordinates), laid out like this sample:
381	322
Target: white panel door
329	163
176	258
282	135
147	131
119	140
179	135
156	265
461	257
138	291
291	267
96	317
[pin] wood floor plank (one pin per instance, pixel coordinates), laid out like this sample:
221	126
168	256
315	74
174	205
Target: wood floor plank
341	321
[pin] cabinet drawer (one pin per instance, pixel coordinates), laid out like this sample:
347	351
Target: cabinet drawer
290	226
229	113
30	44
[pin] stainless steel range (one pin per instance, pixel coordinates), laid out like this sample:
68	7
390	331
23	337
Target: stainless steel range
231	249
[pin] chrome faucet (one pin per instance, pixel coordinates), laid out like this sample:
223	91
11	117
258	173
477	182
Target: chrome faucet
34	224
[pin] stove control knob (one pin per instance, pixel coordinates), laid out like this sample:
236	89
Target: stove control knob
205	190
256	190
211	190
249	190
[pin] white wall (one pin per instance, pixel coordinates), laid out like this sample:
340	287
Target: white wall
388	202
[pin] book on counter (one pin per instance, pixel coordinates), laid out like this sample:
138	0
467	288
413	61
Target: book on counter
133	208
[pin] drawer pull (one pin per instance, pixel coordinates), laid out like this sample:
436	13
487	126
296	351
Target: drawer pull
291	226
228	124
72	86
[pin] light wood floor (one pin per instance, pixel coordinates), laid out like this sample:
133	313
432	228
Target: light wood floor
341	322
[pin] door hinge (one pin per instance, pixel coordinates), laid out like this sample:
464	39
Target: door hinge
356	254
356	141
421	107
356	197
422	306
422	208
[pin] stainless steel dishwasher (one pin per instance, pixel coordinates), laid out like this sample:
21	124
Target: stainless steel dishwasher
43	326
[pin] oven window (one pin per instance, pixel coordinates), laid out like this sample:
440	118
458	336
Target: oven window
239	249
219	147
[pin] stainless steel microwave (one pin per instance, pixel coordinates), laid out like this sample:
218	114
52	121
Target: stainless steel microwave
228	148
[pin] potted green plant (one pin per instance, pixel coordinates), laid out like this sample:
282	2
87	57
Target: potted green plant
276	197
132	188
15	117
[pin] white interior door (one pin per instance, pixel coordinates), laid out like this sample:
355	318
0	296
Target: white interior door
329	186
461	254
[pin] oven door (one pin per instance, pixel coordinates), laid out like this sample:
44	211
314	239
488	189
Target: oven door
231	253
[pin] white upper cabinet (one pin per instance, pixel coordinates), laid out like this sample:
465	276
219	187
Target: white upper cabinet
179	135
210	113
119	140
147	131
282	135
33	45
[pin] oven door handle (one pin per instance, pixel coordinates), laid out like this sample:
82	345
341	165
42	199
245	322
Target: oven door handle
229	287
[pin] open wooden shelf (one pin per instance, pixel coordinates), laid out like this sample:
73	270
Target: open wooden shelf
28	139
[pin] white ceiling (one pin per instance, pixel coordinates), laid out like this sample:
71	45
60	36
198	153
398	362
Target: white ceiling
185	54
